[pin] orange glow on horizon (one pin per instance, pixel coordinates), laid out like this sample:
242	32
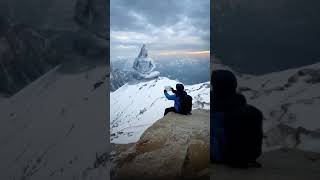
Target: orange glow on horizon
184	53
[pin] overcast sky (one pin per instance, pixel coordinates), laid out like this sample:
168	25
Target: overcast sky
166	26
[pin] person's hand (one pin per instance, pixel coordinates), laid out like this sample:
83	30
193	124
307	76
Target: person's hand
174	91
165	91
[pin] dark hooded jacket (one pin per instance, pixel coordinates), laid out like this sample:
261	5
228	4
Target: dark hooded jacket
176	96
236	127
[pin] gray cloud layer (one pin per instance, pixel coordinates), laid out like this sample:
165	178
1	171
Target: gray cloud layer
165	25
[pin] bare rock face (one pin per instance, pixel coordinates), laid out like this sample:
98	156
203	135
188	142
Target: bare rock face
25	54
37	35
175	147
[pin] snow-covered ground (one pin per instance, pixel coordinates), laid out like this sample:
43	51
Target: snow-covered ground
294	91
55	128
136	106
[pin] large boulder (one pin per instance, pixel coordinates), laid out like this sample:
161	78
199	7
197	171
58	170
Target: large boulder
175	147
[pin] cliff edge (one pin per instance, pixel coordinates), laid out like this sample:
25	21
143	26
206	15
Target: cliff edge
174	147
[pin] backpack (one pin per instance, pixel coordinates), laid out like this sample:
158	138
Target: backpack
243	134
185	104
236	136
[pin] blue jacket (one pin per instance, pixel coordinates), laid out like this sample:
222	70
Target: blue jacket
176	100
217	136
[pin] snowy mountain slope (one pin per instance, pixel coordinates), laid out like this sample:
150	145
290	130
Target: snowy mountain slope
118	78
290	103
136	106
55	128
294	90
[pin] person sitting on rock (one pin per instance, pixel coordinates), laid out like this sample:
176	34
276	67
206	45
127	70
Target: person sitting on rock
235	126
176	97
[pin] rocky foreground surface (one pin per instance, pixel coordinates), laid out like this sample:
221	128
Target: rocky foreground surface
175	147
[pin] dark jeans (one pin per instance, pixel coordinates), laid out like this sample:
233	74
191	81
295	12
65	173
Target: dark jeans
170	109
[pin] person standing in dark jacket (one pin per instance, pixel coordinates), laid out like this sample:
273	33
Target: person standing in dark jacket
235	126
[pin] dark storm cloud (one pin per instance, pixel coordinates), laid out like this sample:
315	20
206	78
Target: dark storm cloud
164	25
124	12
